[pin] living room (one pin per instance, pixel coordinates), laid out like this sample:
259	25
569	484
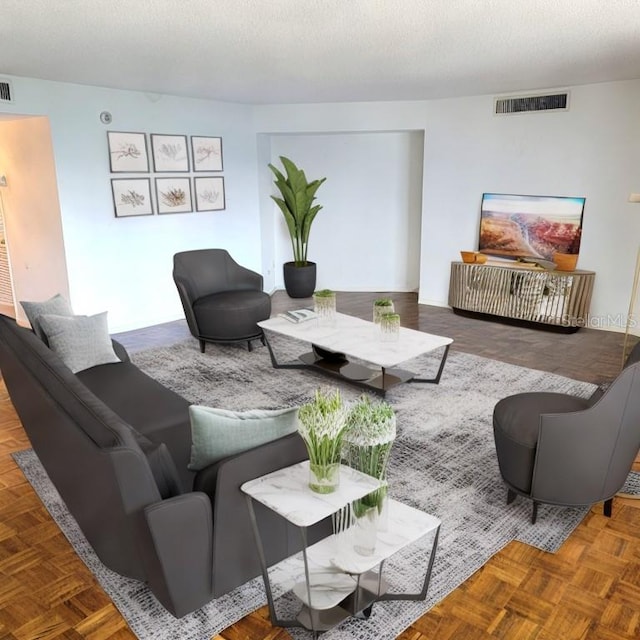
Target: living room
404	184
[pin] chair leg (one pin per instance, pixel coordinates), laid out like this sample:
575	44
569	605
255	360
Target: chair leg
263	340
608	505
511	496
249	345
534	513
202	343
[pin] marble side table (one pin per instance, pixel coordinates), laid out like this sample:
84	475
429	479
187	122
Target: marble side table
338	582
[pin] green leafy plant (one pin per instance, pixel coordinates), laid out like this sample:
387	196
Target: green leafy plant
369	436
296	204
324	293
383	302
322	423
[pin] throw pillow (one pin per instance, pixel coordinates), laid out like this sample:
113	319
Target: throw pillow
58	305
218	433
81	342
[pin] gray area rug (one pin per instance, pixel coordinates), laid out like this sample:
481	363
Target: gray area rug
443	462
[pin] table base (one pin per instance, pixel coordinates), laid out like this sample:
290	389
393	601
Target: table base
338	365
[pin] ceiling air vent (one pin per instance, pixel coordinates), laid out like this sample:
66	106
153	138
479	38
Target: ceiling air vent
6	92
521	104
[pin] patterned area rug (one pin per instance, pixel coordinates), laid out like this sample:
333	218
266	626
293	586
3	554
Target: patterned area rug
443	462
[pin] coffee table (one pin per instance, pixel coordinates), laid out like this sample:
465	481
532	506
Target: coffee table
350	337
337	582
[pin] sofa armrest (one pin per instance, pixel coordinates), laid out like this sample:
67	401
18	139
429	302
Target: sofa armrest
176	543
235	556
120	351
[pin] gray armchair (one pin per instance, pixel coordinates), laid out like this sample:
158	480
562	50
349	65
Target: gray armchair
222	300
559	449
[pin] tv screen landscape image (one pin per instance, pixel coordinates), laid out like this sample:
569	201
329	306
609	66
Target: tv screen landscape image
516	226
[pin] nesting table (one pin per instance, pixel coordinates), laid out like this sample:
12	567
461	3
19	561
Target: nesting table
338	582
349	337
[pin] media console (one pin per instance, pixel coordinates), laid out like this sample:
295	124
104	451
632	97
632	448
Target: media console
532	294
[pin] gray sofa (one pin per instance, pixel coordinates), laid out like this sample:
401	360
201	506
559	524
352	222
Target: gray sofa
116	444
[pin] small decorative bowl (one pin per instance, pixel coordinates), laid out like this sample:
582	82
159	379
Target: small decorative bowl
473	256
565	261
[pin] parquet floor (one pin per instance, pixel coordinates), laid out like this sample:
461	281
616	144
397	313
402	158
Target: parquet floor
589	590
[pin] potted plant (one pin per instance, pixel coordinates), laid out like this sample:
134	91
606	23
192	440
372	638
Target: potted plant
381	306
369	436
321	424
299	211
324	305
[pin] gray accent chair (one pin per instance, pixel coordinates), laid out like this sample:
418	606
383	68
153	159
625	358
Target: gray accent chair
560	449
222	301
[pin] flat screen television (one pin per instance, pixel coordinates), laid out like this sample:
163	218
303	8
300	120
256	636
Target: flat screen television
515	226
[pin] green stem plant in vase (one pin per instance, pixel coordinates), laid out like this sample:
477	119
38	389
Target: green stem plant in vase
369	436
380	307
322	423
324	305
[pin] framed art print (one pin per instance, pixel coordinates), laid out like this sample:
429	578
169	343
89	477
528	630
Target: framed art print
169	153
209	193
131	197
173	195
207	153
127	152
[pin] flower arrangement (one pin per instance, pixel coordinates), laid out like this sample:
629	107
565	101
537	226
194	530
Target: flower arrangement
381	306
322	423
370	433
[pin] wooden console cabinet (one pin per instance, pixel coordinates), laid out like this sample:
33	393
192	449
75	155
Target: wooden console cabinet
560	298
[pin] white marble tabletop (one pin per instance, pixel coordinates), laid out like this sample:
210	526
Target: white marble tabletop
358	338
334	563
287	492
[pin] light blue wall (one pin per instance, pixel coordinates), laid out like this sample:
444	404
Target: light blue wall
124	265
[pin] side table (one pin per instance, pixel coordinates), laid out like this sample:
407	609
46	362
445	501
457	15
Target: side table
338	582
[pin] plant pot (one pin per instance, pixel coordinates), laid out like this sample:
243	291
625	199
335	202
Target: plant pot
324	478
300	282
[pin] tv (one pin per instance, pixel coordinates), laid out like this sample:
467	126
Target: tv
530	227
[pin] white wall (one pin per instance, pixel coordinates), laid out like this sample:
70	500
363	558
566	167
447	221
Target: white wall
592	150
124	265
366	237
33	228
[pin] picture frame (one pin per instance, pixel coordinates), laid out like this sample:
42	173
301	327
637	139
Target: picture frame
170	153
173	195
209	193
127	152
131	197
206	153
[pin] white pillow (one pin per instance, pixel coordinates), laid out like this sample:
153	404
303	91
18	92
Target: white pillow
81	342
58	305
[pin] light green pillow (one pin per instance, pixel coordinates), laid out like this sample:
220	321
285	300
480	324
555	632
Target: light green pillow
81	342
218	433
58	305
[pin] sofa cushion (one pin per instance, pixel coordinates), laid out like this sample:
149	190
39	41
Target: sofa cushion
58	305
218	433
81	342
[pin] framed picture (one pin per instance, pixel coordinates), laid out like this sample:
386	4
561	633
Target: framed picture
127	152
207	153
169	153
209	194
131	197
173	195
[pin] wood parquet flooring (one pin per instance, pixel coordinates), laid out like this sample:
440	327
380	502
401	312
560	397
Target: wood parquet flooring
589	590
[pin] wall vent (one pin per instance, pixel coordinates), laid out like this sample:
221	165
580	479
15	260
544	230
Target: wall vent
6	91
521	104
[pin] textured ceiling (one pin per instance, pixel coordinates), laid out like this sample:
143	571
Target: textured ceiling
279	51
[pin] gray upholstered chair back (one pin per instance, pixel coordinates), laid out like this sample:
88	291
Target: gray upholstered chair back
206	271
585	456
